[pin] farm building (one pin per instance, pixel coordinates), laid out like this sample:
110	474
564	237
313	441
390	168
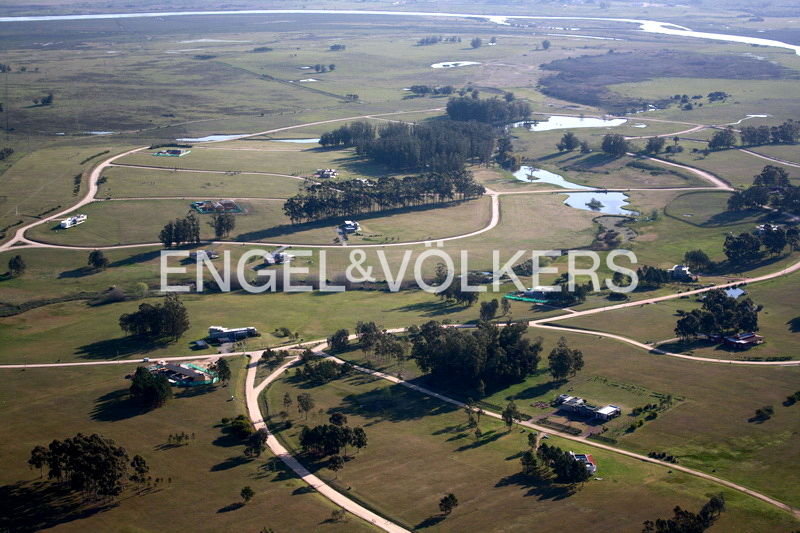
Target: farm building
534	295
586	459
325	173
681	273
350	226
277	258
763	228
221	334
72	221
203	254
185	375
743	340
172	152
573	404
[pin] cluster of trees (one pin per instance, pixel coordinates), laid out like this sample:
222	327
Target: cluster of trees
337	47
547	461
569	142
154	322
697	260
720	314
505	156
788	132
491	110
722	139
90	464
746	247
441	145
564	361
5	153
222	224
655	145
615	145
329	439
422	90
373	339
484	358
181	231
771	188
354	197
16	266
684	521
436	39
320	372
149	390
652	277
324	68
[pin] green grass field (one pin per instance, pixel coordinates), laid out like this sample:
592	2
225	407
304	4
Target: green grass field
47	404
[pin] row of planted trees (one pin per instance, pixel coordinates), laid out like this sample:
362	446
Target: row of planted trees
356	197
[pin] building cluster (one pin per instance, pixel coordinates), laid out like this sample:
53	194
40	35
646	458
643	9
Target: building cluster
325	173
681	273
184	375
573	404
587	460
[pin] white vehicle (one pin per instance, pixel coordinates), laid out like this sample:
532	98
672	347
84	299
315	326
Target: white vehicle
73	221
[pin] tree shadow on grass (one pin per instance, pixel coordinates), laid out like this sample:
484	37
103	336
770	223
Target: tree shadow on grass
230	507
80	272
193	392
141	257
115	406
794	324
395	403
430	309
431	521
544	490
116	348
38	505
538	390
486	438
230	462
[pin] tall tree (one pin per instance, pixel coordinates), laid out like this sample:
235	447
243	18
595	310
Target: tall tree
564	361
97	260
448	503
222	224
16	266
615	145
223	370
149	390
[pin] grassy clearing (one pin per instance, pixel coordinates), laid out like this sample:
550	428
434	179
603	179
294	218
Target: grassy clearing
141	183
67	401
417	441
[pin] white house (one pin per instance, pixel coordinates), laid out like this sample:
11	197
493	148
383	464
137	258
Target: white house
232	334
73	221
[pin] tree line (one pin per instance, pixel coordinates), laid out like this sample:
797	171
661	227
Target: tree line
180	231
436	39
439	145
435	90
720	314
353	197
787	132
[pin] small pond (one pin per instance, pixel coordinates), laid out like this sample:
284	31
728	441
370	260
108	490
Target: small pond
454	64
613	203
556	122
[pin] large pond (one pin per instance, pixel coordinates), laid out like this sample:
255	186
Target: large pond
556	122
612	203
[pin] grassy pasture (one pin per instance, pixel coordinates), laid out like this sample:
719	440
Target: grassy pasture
66	401
142	183
417	441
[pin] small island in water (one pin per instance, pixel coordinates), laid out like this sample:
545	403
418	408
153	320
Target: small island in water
595	204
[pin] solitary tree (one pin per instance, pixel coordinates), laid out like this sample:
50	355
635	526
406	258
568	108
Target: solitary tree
655	145
149	390
564	361
546	44
489	309
615	145
247	494
338	341
448	503
222	224
335	463
16	266
223	370
305	403
510	414
476	42
97	260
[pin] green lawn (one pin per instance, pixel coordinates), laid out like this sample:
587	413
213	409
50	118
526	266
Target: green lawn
205	476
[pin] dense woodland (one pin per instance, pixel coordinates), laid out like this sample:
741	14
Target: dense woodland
354	197
481	359
490	110
438	145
